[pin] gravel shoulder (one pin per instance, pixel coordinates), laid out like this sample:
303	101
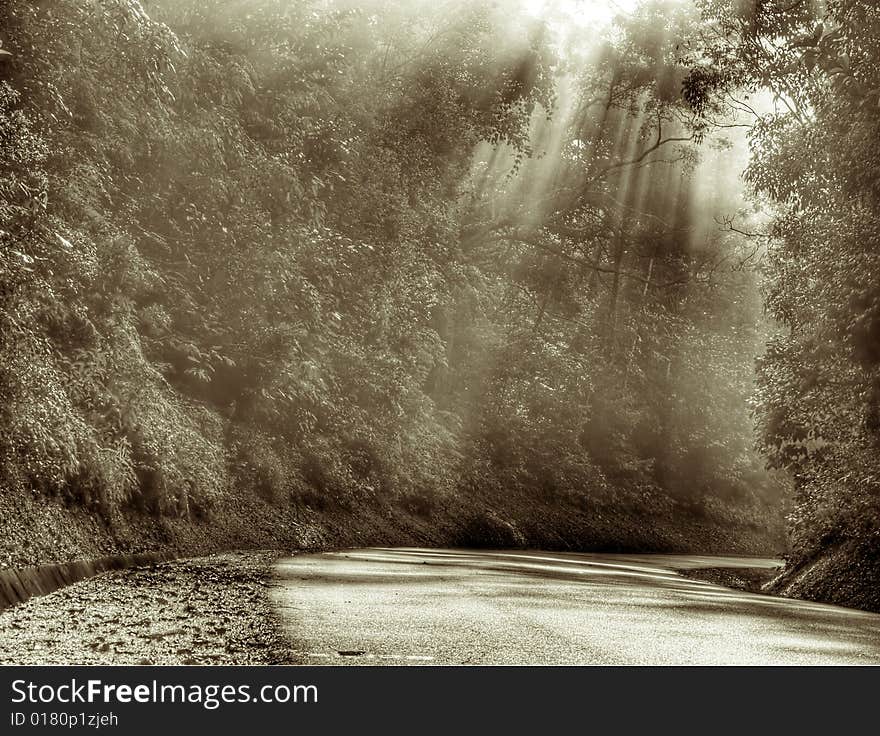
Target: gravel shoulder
205	610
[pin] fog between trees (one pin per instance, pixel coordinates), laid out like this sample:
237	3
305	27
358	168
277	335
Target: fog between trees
461	263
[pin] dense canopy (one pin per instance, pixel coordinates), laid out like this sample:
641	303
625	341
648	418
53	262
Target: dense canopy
487	266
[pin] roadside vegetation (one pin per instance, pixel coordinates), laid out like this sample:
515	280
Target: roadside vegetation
441	272
815	160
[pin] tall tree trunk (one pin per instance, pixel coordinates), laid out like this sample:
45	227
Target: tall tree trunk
635	342
619	249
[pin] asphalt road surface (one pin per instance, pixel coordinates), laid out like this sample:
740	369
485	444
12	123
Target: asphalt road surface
420	606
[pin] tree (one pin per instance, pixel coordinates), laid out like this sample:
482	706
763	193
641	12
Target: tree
814	157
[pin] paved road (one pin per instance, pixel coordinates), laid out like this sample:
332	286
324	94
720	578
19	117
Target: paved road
419	606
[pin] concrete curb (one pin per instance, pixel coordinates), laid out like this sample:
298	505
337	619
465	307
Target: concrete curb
21	584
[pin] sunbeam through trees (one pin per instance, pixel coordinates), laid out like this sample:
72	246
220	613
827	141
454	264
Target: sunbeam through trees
454	273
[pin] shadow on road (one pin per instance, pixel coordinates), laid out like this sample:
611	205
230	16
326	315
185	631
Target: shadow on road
559	607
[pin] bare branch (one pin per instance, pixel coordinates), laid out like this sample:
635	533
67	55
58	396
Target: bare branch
582	261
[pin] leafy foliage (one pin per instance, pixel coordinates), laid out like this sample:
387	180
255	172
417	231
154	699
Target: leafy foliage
316	254
815	157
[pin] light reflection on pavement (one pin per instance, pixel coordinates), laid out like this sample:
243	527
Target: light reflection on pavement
424	606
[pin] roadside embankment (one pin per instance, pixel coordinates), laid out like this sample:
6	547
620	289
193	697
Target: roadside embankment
846	574
37	530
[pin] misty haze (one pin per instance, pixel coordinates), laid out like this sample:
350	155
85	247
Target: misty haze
450	332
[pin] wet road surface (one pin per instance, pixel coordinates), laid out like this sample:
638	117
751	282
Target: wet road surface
421	606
